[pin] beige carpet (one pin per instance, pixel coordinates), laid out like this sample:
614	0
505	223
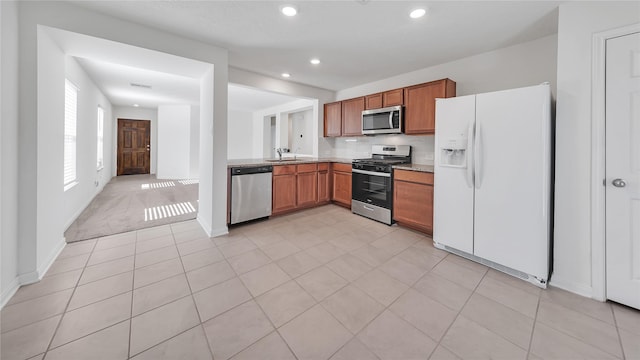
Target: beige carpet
135	202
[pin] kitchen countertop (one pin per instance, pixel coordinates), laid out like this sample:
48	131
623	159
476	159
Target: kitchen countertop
309	160
415	167
303	160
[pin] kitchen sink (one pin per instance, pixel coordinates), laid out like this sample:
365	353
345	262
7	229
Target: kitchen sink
282	160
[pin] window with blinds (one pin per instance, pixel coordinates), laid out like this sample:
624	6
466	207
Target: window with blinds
70	120
100	141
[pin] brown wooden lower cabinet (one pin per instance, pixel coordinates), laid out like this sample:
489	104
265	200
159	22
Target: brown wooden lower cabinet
284	193
294	187
413	199
307	189
302	186
324	183
341	193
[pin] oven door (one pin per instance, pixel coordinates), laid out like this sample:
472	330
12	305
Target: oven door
371	187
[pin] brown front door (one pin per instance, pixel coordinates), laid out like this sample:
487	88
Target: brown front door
133	146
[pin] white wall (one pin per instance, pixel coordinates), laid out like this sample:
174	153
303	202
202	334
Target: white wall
520	65
90	180
301	132
49	140
194	139
262	126
40	226
242	77
134	113
240	134
8	150
174	141
572	248
515	66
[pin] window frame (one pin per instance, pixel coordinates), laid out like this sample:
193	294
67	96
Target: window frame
70	139
100	139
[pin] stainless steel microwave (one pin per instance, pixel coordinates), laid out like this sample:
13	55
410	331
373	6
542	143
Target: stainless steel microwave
382	121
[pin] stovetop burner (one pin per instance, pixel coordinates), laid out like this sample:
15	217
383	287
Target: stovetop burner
383	157
375	161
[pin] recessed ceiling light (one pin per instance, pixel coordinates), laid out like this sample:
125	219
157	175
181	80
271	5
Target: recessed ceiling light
289	10
417	13
286	75
135	105
314	61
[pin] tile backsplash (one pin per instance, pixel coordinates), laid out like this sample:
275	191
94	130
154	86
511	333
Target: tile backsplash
422	146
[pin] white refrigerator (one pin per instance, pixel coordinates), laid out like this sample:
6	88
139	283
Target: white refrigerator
492	180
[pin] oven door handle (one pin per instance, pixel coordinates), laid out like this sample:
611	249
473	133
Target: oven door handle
372	173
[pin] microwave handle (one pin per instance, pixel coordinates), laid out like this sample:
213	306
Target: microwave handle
390	119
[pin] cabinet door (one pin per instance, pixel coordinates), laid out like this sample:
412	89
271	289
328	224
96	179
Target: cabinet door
420	105
342	188
284	193
323	186
352	116
307	189
333	119
393	98
373	101
413	205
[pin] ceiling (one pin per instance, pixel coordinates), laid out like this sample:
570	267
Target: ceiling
357	41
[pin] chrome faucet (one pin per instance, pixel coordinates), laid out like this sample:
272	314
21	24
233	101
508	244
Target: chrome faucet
279	151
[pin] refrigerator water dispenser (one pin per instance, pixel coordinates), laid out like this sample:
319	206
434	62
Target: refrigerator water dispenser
453	153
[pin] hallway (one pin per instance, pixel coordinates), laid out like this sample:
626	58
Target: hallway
135	202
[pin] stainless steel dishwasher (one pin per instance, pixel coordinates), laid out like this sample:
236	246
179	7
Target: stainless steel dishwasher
250	193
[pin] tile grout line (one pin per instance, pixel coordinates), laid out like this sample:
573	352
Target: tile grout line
193	300
533	329
615	322
444	334
568	310
64	312
133	286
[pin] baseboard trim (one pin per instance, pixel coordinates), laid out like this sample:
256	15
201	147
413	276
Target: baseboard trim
575	288
219	231
44	267
9	292
77	214
205	225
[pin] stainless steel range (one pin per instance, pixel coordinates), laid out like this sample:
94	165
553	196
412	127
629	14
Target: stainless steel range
372	181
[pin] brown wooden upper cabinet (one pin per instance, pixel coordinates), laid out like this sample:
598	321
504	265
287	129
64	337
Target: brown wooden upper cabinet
384	99
373	101
420	105
333	119
352	116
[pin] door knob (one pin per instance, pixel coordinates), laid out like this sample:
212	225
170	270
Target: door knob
619	183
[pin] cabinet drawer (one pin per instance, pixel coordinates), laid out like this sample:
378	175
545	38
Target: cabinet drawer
323	166
306	168
342	167
284	169
413	176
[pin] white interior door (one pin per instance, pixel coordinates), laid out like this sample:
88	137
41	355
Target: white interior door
623	169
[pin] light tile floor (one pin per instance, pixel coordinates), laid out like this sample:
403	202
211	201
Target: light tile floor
318	284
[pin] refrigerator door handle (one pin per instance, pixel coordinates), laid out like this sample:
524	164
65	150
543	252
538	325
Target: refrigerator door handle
477	156
470	137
